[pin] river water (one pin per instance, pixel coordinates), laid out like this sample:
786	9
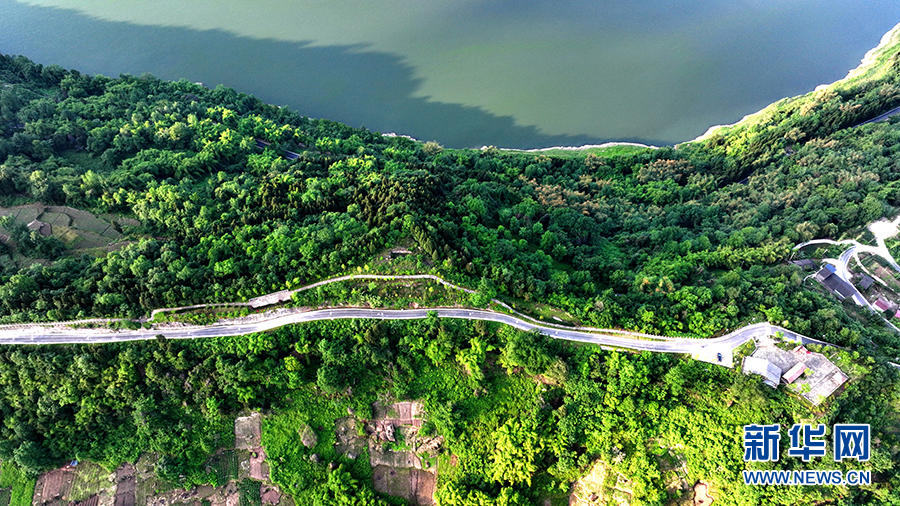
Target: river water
467	73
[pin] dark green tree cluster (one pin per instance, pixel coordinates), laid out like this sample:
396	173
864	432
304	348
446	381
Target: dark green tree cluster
237	198
659	241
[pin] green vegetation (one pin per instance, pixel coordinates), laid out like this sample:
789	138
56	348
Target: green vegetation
688	241
19	484
659	241
87	481
223	467
383	293
249	493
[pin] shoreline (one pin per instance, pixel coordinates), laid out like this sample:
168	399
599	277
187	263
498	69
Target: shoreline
580	148
868	59
891	36
538	150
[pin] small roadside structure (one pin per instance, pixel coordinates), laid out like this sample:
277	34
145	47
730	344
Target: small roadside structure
794	372
882	304
837	286
810	374
399	253
804	263
865	282
41	227
770	372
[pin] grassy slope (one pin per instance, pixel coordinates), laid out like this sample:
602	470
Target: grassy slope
22	486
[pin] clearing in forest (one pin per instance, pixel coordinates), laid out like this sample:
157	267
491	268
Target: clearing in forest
701	494
53	487
247	431
675	474
601	486
404	463
86	484
78	230
126	485
247	436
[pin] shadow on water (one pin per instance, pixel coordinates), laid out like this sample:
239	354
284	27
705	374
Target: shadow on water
349	84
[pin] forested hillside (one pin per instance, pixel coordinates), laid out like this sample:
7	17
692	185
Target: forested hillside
215	197
661	241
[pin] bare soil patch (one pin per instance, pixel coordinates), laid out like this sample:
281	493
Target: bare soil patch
259	469
701	495
588	491
349	442
53	487
269	495
93	500
414	485
377	457
400	413
396	452
401	459
247	431
126	486
601	486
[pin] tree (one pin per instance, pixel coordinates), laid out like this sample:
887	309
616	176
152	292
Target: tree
518	446
19	291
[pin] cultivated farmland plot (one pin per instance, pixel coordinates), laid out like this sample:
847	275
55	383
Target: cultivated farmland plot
224	466
86	484
78	230
240	473
90	479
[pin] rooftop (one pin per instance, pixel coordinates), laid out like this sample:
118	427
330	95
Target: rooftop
865	282
822	381
833	283
770	372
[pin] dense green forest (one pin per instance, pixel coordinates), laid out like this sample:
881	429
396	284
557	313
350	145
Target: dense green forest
662	241
518	441
236	198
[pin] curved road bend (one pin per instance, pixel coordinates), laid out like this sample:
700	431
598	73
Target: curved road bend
703	349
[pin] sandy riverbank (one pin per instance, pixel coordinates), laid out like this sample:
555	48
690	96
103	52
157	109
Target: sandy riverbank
580	148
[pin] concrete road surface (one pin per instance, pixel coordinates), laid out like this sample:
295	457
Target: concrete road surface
701	349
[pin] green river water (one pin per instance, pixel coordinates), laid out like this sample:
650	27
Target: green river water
469	73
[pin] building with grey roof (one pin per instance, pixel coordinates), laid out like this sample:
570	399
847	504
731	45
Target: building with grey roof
865	282
833	283
770	372
822	377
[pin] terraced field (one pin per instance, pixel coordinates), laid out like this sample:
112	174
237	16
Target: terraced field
79	230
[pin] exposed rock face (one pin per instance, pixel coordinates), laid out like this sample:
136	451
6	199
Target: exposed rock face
431	445
308	437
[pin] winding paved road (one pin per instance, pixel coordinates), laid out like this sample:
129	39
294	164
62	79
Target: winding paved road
702	349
